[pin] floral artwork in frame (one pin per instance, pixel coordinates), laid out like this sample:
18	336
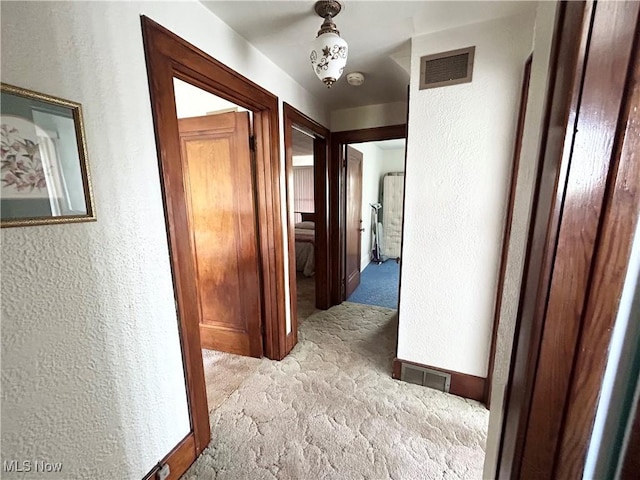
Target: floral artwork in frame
44	176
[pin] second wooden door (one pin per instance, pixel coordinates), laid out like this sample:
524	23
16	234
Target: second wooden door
219	187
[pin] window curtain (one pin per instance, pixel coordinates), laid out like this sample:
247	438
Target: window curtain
302	191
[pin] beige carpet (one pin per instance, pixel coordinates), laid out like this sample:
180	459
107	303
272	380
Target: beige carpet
225	373
330	410
306	297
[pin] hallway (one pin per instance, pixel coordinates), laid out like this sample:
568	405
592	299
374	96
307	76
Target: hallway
332	410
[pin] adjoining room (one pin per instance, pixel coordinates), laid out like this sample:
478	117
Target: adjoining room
303	197
381	211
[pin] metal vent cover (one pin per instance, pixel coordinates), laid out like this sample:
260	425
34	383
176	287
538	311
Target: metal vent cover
447	68
425	377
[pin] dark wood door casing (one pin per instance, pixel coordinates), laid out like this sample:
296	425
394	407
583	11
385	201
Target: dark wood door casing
220	198
337	198
320	170
575	253
353	233
169	56
618	223
561	102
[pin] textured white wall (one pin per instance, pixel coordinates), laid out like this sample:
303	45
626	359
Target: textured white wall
393	160
529	154
371	172
91	368
459	154
369	116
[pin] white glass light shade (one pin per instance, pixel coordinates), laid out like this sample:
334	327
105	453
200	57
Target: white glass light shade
328	57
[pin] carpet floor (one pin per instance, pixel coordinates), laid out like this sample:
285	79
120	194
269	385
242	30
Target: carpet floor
330	410
378	285
306	299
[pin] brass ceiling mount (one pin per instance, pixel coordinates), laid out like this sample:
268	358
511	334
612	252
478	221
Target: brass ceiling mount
328	9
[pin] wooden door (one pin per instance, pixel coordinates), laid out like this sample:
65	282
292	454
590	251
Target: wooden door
353	220
220	197
585	209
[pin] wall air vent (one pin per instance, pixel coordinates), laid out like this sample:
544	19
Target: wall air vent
446	68
425	377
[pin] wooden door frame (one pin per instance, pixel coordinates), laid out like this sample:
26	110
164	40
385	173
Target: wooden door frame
506	236
585	210
337	197
293	117
170	56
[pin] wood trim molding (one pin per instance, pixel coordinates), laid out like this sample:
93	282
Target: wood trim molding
578	239
305	121
336	173
292	337
608	272
179	459
183	273
562	99
587	201
321	135
462	384
506	238
390	132
170	56
321	144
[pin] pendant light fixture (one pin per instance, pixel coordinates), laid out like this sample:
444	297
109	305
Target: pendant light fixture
329	51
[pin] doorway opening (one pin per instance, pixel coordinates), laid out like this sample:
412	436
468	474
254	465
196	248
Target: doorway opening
354	217
216	138
351	158
246	263
306	150
380	207
217	149
304	222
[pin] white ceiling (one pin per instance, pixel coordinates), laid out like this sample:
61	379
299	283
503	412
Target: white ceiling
396	144
378	34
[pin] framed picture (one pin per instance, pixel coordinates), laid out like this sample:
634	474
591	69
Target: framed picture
44	176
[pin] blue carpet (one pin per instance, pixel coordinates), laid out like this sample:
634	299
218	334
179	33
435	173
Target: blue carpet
378	285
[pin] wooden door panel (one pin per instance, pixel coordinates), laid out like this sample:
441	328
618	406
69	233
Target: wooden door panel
354	219
216	270
219	185
583	216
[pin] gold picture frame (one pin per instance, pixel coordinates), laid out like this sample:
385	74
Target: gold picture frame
44	175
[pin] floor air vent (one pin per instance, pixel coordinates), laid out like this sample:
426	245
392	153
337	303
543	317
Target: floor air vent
426	377
446	68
